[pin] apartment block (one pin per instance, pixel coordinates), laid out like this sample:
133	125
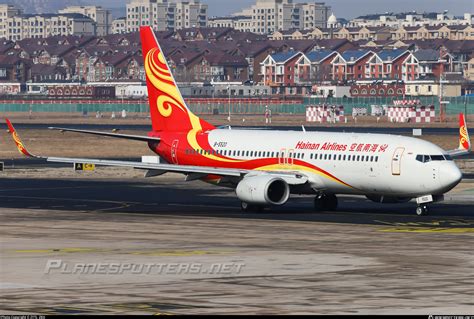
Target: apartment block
119	26
269	16
165	15
315	15
102	17
44	25
6	11
240	23
411	19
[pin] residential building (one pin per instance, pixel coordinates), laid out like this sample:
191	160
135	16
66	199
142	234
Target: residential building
14	68
45	25
469	73
7	11
431	88
386	64
363	33
166	14
190	14
314	67
410	19
280	72
350	65
102	17
424	64
315	15
240	23
269	16
452	32
119	25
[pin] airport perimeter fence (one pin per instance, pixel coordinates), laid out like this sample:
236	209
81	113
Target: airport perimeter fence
454	105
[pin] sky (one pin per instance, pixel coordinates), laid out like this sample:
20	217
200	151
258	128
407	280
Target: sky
342	8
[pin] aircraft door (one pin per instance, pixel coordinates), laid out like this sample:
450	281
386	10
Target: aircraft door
174	152
290	157
397	161
281	157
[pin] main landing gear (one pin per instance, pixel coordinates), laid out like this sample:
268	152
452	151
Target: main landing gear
325	202
422	210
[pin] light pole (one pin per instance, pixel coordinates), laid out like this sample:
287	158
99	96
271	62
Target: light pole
228	90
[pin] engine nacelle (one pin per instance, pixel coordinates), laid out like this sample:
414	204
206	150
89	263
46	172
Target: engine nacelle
388	199
263	190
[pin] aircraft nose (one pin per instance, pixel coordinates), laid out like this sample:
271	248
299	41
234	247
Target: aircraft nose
450	176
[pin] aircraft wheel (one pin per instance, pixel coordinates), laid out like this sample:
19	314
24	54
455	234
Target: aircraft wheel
422	210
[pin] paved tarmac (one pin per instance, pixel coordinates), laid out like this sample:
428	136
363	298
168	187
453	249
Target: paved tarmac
367	258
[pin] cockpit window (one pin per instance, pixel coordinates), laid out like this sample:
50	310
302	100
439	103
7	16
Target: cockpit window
428	158
423	158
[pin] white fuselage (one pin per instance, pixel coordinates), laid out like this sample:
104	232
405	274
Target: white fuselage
369	163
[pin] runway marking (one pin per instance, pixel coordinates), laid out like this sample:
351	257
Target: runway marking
121	204
447	222
427	230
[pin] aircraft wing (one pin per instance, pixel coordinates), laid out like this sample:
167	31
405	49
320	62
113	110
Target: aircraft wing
115	135
464	141
292	178
164	168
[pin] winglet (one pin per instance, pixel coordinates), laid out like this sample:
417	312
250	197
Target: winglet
19	144
464	141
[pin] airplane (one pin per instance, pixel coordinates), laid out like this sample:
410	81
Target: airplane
265	167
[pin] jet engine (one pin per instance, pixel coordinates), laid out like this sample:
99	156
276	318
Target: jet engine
388	199
263	190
